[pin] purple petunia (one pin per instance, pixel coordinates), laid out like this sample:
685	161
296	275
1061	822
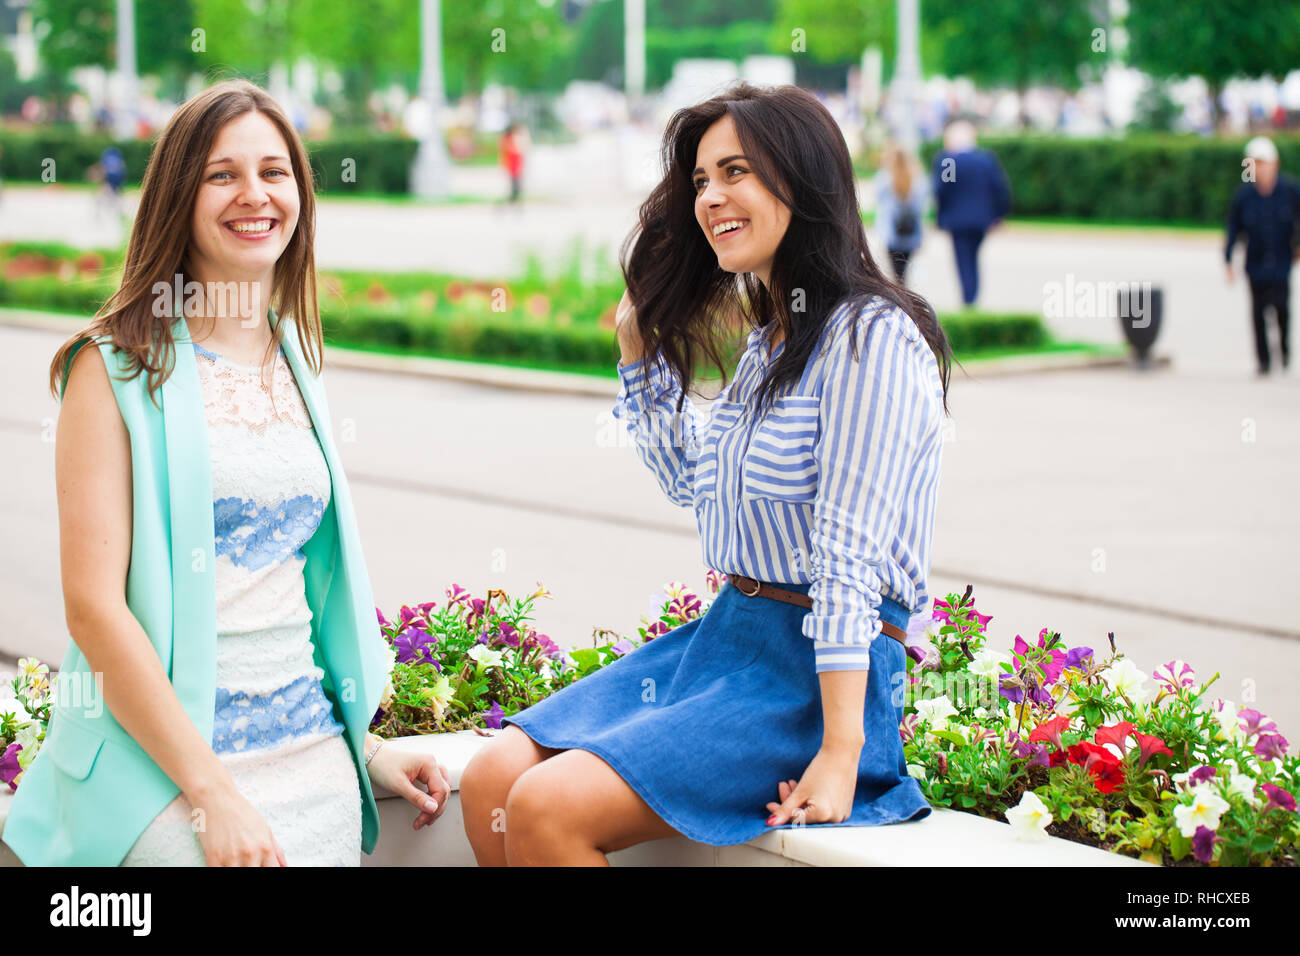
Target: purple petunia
1277	797
1270	746
412	646
9	766
492	718
509	636
622	647
1253	722
1079	658
1203	844
549	647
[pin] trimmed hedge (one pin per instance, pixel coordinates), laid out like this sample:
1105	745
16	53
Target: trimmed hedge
571	337
379	164
1180	179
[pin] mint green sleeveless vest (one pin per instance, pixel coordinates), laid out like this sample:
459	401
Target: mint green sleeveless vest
92	790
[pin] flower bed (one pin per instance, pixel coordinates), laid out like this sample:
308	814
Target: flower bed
1053	740
560	319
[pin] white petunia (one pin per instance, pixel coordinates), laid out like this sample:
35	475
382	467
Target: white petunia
1225	715
1244	786
485	656
1123	677
1030	818
1206	808
986	662
916	770
936	710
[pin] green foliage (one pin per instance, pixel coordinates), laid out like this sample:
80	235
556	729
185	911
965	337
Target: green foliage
1170	39
1012	43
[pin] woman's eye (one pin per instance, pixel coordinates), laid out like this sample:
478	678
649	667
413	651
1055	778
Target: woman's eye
699	184
280	171
219	173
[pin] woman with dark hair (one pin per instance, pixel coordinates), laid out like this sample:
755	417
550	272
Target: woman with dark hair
225	659
813	479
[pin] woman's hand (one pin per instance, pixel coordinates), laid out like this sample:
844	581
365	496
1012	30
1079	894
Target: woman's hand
397	770
826	789
232	833
629	333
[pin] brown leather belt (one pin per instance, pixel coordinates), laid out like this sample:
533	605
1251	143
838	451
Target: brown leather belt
752	588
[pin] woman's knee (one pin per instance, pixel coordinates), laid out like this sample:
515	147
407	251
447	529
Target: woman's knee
493	770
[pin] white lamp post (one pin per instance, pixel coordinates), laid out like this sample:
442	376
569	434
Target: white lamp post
124	123
431	173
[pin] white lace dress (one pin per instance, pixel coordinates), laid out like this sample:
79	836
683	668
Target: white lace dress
274	728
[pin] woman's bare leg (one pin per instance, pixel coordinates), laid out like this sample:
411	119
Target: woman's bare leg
485	785
572	809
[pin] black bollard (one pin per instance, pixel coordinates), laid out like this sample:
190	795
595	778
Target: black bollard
1140	309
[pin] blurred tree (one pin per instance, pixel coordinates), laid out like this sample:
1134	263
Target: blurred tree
532	51
245	37
78	33
164	43
835	31
1013	43
74	33
370	47
1172	39
1156	110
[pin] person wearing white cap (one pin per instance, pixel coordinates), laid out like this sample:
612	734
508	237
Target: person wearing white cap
1266	209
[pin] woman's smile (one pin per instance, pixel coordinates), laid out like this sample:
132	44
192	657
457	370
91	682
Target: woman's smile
252	229
727	228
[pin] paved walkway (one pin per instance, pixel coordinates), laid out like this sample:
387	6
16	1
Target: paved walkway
1110	501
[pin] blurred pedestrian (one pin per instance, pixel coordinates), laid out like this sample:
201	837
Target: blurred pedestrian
514	144
1267	211
901	192
971	195
111	174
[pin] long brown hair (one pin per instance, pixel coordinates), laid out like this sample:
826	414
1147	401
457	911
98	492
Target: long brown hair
161	236
898	162
686	303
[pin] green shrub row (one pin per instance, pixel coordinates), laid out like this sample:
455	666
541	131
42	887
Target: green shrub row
372	164
1162	178
564	334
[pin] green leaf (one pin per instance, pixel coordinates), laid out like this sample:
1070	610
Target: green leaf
952	738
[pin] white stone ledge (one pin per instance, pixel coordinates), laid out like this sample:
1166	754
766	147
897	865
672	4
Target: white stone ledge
945	838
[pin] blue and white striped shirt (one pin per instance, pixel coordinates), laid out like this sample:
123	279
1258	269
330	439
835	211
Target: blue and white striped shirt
834	486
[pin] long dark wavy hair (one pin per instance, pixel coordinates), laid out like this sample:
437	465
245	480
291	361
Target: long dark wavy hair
687	306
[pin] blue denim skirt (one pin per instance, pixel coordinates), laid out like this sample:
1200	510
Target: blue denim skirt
705	721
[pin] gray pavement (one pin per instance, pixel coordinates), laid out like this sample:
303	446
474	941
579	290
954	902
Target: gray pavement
1154	505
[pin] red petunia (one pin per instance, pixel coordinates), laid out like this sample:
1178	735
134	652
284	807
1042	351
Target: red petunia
1150	746
1114	734
1049	731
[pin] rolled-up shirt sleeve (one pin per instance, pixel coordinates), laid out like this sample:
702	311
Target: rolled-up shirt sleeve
667	440
878	424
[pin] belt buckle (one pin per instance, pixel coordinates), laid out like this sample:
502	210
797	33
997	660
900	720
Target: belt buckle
757	587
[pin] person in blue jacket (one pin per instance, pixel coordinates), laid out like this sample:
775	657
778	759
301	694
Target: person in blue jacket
1266	211
972	195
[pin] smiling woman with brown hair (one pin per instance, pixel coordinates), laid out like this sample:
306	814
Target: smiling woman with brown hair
813	479
226	660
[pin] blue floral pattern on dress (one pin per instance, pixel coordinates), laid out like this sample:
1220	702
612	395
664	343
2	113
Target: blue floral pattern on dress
254	536
249	722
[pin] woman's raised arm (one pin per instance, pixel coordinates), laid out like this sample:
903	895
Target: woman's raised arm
667	439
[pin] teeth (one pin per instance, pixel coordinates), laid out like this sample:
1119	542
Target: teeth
728	226
262	225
